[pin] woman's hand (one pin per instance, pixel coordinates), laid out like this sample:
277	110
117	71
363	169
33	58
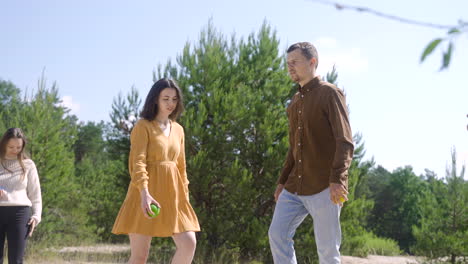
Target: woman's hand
32	224
146	201
3	193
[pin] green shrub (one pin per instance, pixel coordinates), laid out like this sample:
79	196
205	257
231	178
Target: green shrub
368	243
382	246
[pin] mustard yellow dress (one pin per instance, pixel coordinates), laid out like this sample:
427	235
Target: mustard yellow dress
157	162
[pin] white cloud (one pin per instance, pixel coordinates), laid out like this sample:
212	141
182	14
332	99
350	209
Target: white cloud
390	165
345	59
67	101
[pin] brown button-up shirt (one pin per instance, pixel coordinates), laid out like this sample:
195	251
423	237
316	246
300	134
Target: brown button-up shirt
320	139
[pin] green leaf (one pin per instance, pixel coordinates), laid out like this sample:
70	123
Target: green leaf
447	56
430	48
454	31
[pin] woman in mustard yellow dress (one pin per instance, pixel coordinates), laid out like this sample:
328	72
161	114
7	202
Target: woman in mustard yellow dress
158	176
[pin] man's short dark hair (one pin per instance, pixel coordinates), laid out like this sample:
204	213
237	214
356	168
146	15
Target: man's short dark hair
307	49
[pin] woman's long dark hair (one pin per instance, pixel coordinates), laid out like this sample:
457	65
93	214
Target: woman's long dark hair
10	134
150	109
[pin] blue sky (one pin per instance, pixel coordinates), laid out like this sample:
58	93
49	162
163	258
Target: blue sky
408	113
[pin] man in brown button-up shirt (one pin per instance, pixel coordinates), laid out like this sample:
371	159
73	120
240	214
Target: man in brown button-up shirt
315	174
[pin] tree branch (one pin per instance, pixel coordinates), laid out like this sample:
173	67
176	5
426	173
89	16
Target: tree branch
384	15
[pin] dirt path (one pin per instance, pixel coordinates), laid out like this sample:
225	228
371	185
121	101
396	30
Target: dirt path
372	259
105	248
102	248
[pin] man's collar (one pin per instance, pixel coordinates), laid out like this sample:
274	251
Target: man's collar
310	85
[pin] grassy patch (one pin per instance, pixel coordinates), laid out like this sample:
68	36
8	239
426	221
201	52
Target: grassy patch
368	243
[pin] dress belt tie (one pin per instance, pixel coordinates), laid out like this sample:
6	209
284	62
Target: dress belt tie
161	162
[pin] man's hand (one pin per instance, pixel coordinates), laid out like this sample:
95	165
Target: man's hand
278	191
338	193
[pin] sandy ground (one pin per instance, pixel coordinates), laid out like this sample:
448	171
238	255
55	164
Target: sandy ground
371	259
96	249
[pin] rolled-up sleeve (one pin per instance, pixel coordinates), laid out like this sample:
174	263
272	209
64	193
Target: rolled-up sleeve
138	153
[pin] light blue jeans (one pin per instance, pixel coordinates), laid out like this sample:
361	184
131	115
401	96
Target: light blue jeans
290	211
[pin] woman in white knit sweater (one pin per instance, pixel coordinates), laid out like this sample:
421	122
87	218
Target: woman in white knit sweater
20	195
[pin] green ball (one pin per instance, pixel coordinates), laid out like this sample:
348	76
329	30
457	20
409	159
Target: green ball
155	210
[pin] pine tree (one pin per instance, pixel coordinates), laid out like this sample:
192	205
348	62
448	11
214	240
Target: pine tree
51	133
9	98
99	179
124	115
398	196
444	227
9	94
113	176
236	133
236	93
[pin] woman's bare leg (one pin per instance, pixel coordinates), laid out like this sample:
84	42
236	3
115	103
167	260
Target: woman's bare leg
186	243
139	246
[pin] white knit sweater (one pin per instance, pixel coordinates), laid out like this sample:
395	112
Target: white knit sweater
26	192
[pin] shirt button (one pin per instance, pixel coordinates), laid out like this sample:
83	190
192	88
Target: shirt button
302	95
300	111
299	176
299	127
300	161
298	144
